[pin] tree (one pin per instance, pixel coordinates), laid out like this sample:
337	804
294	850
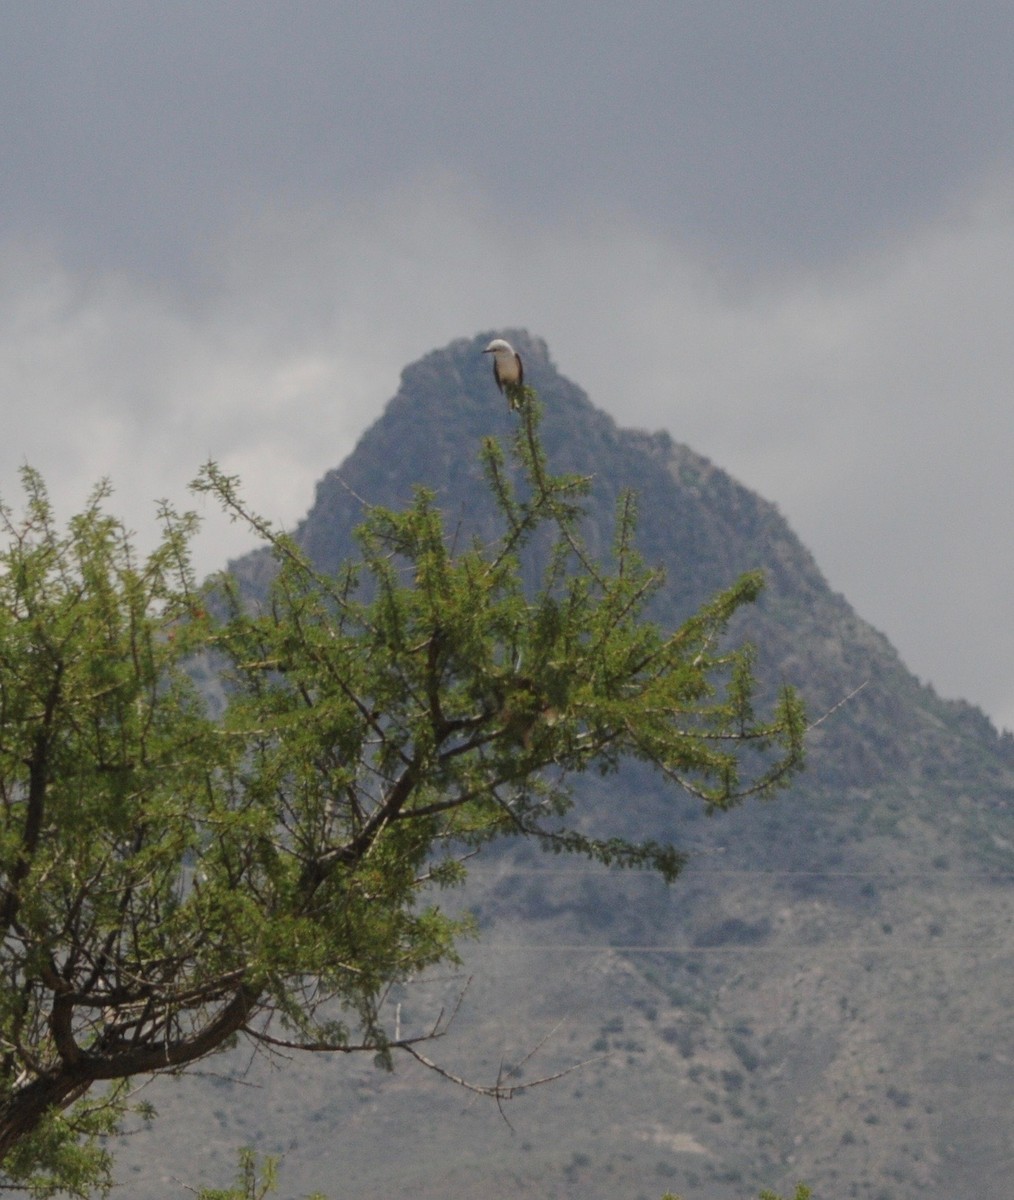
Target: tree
228	819
256	1179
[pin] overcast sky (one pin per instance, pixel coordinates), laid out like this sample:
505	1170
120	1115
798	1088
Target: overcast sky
783	231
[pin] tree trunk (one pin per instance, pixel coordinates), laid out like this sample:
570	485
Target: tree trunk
67	1081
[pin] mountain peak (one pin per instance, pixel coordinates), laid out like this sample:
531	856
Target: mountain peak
696	521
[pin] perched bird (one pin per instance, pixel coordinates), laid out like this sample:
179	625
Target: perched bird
507	370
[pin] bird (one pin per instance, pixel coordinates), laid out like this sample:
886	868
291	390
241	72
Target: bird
507	370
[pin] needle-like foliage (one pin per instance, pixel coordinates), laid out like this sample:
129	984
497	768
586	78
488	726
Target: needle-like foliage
259	856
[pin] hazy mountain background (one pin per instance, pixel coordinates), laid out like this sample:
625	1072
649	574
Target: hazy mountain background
823	995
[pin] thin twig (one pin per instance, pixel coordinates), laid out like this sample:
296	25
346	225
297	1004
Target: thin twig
497	1091
841	703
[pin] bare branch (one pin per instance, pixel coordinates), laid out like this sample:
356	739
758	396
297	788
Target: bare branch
498	1091
841	704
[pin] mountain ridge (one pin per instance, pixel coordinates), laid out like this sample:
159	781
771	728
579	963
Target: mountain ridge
696	521
819	996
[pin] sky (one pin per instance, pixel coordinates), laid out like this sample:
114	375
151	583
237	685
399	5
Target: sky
782	231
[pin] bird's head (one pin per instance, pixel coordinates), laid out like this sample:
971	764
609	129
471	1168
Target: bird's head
498	346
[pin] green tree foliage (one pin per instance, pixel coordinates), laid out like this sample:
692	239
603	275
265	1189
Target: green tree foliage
178	871
255	1180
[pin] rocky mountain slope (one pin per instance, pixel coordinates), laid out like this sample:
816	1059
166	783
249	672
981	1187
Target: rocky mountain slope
824	994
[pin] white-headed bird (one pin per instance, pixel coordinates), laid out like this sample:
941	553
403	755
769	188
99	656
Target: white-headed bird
507	370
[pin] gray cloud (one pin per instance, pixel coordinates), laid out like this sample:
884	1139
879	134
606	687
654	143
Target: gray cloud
758	132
